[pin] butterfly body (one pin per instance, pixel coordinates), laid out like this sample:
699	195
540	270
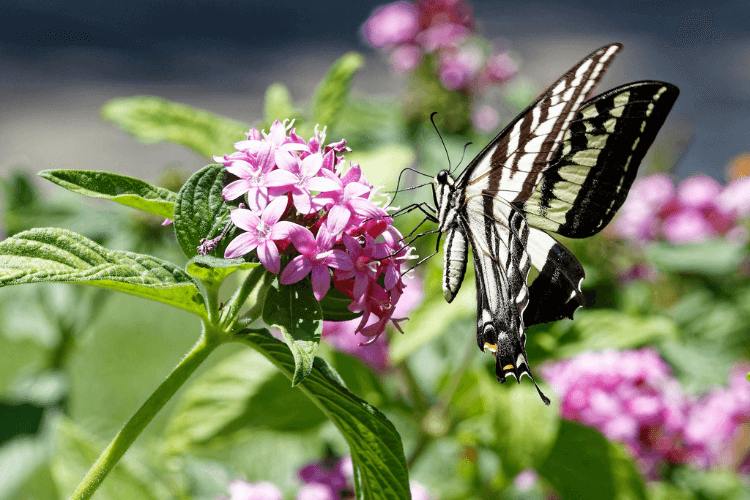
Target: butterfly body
564	165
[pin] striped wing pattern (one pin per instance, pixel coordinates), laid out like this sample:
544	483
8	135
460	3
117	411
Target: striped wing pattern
511	165
565	166
590	176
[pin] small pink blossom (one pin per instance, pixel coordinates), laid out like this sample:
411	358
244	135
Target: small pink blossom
299	178
316	491
317	256
486	119
698	192
687	226
525	480
261	234
406	58
501	67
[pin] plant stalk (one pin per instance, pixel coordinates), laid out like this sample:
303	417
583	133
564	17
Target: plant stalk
133	428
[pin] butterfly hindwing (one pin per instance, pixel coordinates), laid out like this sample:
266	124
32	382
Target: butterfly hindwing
591	174
501	264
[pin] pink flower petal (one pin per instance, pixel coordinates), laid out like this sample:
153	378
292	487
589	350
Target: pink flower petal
391	276
355	189
339	260
241	169
266	158
311	165
245	219
302	200
280	178
338	218
275	210
321	184
365	208
297	269
268	255
287	161
283	230
241	245
325	239
352	246
304	241
235	189
321	281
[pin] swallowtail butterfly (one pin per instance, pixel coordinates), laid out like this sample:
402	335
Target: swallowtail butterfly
565	166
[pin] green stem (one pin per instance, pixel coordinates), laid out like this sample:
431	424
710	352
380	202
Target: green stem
256	277
122	441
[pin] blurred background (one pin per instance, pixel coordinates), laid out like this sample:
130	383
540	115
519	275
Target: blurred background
667	289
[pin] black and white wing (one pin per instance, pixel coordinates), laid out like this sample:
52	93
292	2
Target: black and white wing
586	183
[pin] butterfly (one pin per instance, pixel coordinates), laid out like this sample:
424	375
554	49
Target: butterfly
564	166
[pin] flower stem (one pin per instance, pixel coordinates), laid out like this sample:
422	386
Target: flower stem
133	428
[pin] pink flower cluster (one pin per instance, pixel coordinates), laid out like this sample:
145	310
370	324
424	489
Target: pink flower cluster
631	397
342	334
698	209
302	202
262	490
409	30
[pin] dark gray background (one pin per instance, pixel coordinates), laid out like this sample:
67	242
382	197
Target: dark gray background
61	60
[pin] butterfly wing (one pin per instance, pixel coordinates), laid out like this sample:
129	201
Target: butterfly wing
511	165
502	265
590	175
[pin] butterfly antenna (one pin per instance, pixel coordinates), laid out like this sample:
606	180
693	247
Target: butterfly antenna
432	119
398	182
463	154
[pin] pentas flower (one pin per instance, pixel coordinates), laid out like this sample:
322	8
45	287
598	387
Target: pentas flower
463	61
696	210
297	199
631	397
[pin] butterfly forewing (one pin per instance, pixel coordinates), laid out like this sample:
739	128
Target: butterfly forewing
511	165
591	174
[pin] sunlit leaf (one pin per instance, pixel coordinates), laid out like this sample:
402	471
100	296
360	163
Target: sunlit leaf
214	269
335	306
376	449
712	258
201	212
58	255
278	104
122	189
151	119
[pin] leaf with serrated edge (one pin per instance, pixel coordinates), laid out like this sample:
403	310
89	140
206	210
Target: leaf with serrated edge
122	189
214	269
151	119
294	310
58	255
333	91
377	452
201	212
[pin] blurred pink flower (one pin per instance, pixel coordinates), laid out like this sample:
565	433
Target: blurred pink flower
443	36
486	119
242	490
687	226
699	192
406	58
525	480
419	491
316	491
392	24
440	12
735	199
501	67
329	473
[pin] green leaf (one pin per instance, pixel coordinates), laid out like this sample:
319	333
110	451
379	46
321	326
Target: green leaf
376	449
151	119
75	451
57	255
716	485
214	269
333	92
125	190
278	104
242	391
294	310
201	212
584	465
525	428
712	258
335	306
